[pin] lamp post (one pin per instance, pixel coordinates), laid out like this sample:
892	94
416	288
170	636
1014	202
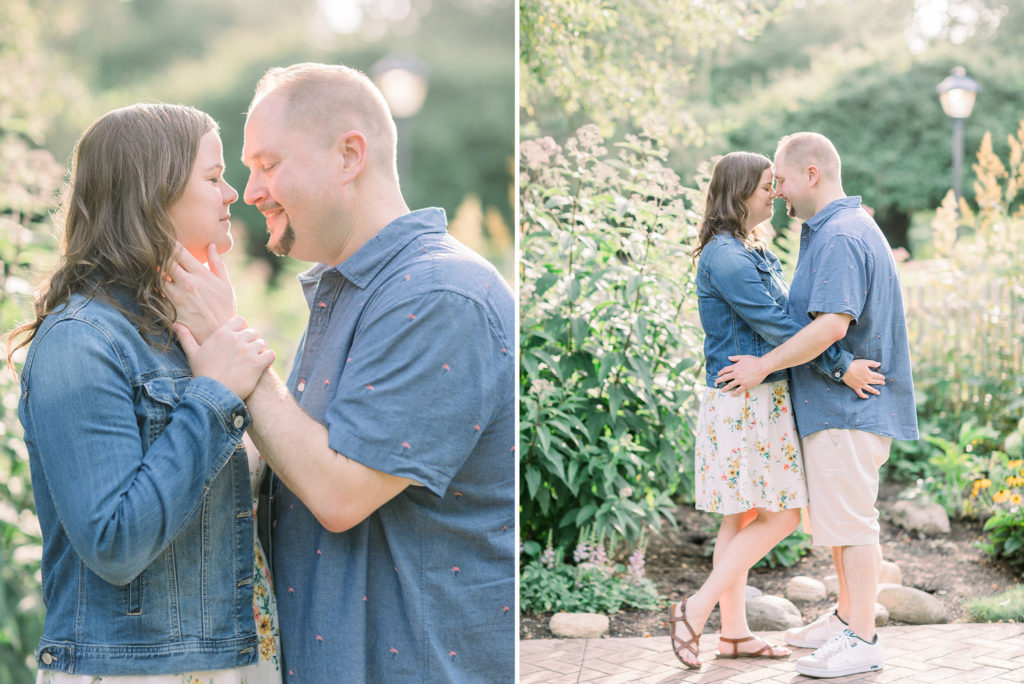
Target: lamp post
403	83
957	93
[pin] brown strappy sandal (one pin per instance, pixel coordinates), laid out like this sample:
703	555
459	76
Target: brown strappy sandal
693	645
772	651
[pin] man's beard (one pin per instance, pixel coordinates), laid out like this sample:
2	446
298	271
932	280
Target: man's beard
285	244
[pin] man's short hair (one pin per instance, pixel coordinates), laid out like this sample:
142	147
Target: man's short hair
811	149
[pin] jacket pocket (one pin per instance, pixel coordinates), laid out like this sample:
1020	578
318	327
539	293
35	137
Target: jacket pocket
133	597
159	397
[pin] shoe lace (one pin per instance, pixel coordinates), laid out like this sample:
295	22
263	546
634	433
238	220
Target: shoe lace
836	643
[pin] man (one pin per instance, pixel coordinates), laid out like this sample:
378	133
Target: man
392	445
845	289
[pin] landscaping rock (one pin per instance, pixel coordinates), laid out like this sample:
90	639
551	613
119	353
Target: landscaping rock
831	586
916	515
891	573
913	606
805	589
881	615
753	592
772	614
578	625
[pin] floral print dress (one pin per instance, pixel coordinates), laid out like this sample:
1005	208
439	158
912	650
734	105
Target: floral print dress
748	451
266	670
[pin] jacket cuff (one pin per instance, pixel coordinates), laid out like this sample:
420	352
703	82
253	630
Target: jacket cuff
842	365
223	402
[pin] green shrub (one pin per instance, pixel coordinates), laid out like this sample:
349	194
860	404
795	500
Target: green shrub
788	551
594	583
610	347
1006	537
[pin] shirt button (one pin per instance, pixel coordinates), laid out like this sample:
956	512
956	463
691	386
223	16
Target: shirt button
302	385
47	659
239	421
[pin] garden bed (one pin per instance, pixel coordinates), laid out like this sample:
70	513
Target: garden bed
951	567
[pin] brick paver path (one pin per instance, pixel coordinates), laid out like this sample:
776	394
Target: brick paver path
930	653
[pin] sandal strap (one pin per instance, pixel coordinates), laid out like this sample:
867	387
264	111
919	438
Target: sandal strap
693	644
736	642
771	648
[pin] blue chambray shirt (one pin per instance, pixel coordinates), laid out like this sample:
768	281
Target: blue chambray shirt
846	266
408	360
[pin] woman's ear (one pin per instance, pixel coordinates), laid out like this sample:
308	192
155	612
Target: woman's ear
351	146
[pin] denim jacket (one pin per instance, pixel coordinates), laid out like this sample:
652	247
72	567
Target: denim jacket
742	298
142	491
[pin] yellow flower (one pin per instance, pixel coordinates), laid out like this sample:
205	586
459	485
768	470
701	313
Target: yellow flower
260	590
1001	496
1015	464
263	626
1015	499
267	647
983	483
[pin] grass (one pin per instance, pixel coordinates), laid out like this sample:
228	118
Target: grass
1005	607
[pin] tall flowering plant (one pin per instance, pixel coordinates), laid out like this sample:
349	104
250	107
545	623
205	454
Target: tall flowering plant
610	345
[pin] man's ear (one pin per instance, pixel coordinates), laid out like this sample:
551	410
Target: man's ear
352	148
813	175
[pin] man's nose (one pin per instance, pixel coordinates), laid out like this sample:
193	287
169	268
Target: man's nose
254	190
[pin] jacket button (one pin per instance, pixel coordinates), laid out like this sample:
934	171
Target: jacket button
239	421
47	658
838	374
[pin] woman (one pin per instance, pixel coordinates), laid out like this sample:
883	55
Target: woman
151	567
748	465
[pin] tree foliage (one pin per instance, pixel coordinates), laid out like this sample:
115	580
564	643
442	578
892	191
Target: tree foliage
210	55
623	63
852	76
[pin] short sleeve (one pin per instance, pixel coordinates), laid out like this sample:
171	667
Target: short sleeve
840	280
421	383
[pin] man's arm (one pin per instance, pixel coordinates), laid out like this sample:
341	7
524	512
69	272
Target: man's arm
340	492
805	345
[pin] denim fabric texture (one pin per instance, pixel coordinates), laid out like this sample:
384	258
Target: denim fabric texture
846	266
142	490
742	299
408	359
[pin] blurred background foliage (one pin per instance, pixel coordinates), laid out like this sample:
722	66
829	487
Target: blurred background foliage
741	75
607	400
64	63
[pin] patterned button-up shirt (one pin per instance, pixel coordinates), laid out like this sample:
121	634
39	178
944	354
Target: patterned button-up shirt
408	360
846	266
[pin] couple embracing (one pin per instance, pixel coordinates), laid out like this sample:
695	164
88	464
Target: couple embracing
765	446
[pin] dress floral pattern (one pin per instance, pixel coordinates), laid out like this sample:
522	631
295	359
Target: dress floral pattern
266	670
748	451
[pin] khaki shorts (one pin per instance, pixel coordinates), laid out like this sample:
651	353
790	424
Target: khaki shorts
842	481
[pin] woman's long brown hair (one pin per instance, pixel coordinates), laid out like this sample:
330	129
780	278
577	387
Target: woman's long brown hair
128	168
734	178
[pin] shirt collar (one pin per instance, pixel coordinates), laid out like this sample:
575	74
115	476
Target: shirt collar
366	263
822	217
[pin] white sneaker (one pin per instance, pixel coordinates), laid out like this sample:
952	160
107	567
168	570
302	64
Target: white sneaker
817	633
844	654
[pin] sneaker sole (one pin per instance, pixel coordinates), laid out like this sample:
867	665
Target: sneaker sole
804	644
827	674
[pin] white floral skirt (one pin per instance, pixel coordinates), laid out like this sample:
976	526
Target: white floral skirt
748	451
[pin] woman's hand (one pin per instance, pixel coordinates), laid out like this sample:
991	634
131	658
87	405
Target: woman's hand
744	373
203	297
859	377
234	355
